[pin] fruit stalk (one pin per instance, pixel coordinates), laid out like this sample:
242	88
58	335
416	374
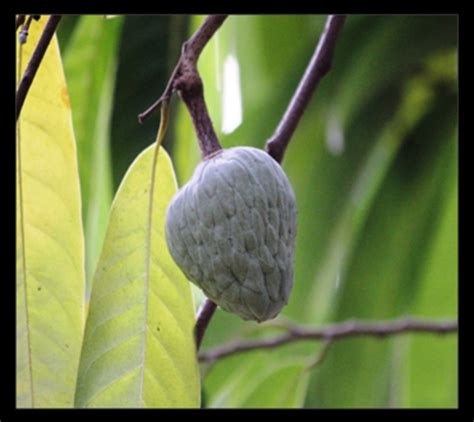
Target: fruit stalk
190	87
203	317
190	53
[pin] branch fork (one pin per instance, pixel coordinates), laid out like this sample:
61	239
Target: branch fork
186	80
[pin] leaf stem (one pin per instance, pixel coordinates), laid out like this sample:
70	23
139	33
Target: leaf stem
204	315
159	139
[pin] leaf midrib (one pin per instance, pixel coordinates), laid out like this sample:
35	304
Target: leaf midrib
147	270
23	253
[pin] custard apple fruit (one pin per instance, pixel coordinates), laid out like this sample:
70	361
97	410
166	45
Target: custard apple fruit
231	229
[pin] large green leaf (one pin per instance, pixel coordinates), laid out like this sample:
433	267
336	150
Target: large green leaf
139	346
50	248
93	45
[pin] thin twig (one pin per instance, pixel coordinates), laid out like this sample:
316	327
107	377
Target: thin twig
23	35
203	317
319	66
35	61
19	21
164	97
191	49
332	333
186	80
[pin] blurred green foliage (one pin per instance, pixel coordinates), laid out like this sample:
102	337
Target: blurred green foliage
90	61
374	168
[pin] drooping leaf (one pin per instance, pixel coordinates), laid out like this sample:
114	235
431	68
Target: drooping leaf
50	248
139	346
90	62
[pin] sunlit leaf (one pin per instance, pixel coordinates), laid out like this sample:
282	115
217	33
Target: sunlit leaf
50	249
139	345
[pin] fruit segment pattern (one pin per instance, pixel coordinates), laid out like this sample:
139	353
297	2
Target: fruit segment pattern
231	229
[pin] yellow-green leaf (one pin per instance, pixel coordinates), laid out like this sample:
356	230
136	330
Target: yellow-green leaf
50	249
139	346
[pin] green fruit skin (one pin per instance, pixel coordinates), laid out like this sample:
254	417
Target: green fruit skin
231	229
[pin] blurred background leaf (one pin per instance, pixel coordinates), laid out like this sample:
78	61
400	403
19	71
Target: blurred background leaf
374	168
259	383
90	61
149	49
